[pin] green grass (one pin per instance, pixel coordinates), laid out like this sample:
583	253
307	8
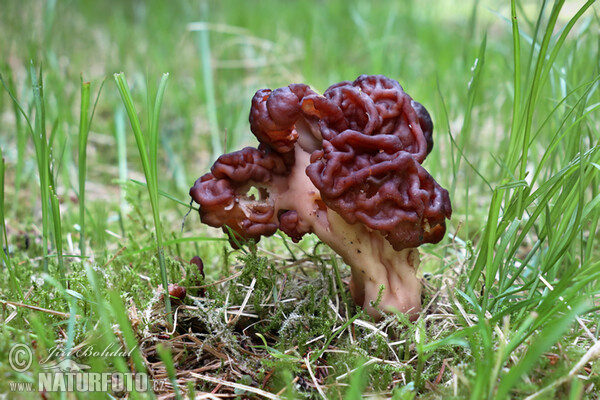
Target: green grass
149	157
92	207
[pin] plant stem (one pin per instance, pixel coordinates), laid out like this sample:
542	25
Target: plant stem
149	164
83	138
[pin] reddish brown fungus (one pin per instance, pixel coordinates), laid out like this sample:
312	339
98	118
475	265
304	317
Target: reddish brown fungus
177	291
346	166
197	261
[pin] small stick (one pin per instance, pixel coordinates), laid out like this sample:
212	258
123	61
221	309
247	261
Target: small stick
117	254
296	379
592	354
234	385
57	313
314	379
244	303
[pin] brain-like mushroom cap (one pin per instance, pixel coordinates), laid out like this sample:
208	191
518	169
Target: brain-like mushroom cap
273	115
386	191
369	168
367	141
222	193
373	105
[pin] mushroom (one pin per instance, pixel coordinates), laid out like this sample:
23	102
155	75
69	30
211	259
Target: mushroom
346	166
177	291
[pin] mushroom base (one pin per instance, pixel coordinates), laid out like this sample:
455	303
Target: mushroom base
382	279
373	260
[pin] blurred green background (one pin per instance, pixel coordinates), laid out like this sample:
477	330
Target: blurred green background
218	53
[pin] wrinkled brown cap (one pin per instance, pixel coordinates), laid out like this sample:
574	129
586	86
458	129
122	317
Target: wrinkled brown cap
370	171
373	105
222	193
367	167
273	115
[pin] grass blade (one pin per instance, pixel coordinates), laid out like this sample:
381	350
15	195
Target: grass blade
4	237
43	157
547	337
149	166
83	138
56	223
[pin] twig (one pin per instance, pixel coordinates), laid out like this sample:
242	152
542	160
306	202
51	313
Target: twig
293	382
370	326
174	321
314	379
117	254
592	354
369	362
14	313
463	313
438	379
244	303
236	386
314	340
211	396
237	274
57	313
373	360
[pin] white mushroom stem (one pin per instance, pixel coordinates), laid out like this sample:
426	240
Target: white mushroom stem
373	260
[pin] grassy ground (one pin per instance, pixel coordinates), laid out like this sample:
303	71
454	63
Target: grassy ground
511	294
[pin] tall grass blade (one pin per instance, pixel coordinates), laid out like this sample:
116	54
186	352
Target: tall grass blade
121	140
104	310
21	136
165	356
358	382
149	165
84	130
56	223
516	110
473	90
542	342
131	342
6	259
43	157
